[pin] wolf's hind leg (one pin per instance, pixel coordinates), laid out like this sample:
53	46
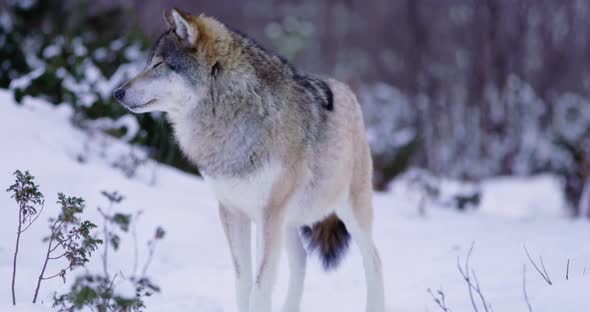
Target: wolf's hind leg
297	258
236	226
357	216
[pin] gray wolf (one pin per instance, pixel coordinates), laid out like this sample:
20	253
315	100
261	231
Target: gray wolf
280	148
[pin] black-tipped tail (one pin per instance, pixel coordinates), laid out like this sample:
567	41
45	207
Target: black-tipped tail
329	238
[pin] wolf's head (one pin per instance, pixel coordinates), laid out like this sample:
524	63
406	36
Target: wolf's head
181	66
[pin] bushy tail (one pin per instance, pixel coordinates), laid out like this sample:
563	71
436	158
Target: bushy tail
329	238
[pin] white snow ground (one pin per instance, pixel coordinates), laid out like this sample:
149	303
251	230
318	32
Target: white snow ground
192	263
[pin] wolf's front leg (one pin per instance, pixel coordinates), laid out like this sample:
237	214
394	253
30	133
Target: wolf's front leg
236	226
269	234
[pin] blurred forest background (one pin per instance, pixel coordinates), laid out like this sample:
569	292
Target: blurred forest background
466	89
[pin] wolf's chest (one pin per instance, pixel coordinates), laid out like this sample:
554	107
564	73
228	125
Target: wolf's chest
249	194
224	150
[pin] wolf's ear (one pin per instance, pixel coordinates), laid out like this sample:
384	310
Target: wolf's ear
183	25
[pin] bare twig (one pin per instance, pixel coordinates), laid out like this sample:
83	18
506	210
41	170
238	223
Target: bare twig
32	220
105	253
526	296
64	242
43	269
440	299
543	273
135	248
544	269
60	273
54	229
112	282
54	248
109	289
152	250
471	287
58	257
480	292
20	213
466	276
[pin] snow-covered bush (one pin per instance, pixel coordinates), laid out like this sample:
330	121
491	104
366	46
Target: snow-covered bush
289	36
80	60
571	130
390	119
517	132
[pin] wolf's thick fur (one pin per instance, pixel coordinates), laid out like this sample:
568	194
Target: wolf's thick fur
280	148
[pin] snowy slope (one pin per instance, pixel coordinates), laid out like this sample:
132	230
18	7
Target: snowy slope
192	264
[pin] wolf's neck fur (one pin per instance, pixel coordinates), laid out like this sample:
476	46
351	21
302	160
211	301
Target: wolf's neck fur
257	108
228	132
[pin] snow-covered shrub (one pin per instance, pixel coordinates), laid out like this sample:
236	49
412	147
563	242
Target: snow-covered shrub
430	190
80	61
571	130
514	131
390	119
289	35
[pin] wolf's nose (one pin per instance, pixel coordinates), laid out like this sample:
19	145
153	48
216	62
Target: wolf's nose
119	94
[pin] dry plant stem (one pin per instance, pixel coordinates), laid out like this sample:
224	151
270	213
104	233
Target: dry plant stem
135	248
440	302
105	254
567	270
43	269
470	285
20	230
544	269
54	229
526	295
466	277
111	284
480	293
20	218
152	248
543	273
31	221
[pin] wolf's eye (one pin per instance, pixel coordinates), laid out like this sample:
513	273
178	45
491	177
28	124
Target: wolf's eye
158	64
